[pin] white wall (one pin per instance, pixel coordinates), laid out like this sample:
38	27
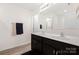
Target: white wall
10	13
35	23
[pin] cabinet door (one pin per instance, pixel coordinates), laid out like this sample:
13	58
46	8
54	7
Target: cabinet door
66	49
48	50
70	49
36	46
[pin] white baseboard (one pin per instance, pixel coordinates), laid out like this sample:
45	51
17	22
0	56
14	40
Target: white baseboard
17	50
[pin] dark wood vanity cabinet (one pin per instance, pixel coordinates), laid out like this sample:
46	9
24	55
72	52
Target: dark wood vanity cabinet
46	46
54	47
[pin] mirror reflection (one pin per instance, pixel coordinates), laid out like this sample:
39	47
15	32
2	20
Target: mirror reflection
59	18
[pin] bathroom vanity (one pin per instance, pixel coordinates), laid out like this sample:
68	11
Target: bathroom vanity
46	44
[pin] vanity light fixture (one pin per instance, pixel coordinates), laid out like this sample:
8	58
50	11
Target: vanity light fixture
45	6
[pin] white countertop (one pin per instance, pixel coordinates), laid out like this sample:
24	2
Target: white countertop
66	39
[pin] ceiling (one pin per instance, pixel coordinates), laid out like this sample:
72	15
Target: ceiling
60	9
29	6
57	8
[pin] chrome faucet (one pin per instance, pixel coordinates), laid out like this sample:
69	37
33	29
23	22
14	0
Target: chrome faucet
62	34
